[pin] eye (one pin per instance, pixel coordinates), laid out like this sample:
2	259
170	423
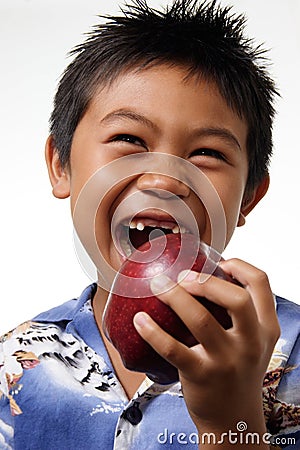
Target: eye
208	152
130	139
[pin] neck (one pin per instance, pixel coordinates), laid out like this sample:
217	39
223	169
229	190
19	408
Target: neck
130	380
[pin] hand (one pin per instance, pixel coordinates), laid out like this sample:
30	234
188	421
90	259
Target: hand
222	376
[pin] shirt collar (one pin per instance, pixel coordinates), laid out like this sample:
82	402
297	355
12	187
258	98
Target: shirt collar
67	311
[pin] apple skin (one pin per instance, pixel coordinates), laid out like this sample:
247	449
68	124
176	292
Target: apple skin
120	310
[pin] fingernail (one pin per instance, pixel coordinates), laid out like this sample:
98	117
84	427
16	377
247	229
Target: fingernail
160	284
187	275
140	319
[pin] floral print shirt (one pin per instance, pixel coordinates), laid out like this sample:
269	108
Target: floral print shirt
58	389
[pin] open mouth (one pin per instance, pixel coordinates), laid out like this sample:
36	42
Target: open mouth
139	230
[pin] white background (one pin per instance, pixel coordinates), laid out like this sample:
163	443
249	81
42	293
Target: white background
39	267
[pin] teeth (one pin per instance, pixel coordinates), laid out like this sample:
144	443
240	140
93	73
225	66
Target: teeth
155	224
134	224
125	247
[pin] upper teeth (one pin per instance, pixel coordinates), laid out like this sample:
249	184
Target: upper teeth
141	224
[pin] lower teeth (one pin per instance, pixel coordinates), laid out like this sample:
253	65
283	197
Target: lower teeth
125	246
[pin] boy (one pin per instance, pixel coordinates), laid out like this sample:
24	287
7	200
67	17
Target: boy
184	83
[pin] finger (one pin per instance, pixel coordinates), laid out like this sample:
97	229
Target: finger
257	284
165	345
201	323
235	299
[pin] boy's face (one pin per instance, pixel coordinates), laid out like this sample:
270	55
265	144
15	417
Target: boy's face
155	110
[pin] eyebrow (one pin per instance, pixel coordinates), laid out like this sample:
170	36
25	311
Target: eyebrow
223	133
128	114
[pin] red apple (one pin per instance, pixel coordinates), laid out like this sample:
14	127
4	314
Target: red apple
176	252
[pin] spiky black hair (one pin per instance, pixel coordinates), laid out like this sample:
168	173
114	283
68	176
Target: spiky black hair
205	38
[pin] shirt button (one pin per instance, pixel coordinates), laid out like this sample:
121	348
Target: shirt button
133	414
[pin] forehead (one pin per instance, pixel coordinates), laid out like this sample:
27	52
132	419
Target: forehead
168	95
155	77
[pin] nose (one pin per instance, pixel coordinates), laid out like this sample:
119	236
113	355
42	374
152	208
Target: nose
162	186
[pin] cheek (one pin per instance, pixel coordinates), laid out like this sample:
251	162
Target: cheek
232	211
232	216
86	186
231	196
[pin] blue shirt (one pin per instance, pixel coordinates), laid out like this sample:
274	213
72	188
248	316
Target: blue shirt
58	389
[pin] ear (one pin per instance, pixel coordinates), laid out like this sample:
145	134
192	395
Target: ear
251	201
59	176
